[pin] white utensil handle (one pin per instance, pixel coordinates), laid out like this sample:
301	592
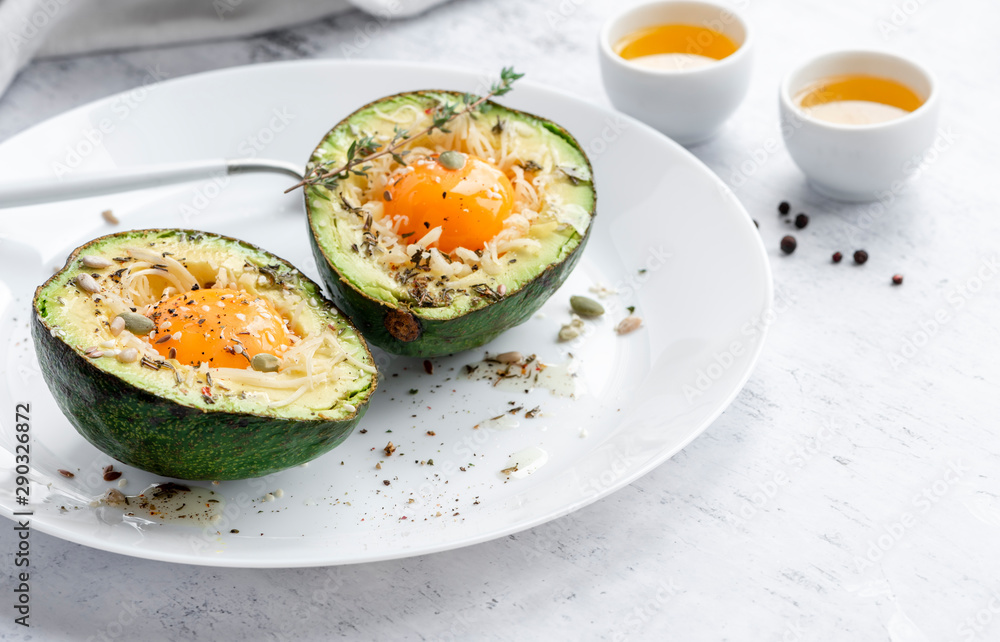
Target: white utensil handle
31	192
83	185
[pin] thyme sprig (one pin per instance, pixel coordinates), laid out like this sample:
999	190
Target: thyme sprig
366	149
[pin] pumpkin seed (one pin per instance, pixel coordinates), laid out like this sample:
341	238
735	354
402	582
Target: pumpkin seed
137	324
452	160
87	283
265	362
586	307
97	262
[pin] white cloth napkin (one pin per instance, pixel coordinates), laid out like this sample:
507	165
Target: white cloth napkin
45	28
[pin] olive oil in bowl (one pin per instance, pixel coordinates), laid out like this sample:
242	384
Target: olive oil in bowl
857	99
675	47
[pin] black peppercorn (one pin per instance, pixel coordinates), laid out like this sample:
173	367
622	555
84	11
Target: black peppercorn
788	244
860	257
784	208
801	220
837	256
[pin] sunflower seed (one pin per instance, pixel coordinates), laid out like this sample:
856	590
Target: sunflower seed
628	324
87	283
586	307
509	357
97	262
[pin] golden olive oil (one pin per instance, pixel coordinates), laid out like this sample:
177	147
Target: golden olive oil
675	46
857	99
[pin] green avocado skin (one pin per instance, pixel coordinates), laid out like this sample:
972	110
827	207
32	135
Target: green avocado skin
440	337
167	438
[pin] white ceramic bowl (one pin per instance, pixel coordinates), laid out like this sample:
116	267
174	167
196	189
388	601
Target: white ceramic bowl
688	105
859	162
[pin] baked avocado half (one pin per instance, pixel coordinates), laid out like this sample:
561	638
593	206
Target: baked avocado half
198	356
457	237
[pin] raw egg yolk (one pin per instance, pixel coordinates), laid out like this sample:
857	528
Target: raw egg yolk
224	327
470	203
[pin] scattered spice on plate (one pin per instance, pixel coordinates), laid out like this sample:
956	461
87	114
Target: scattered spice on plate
801	220
860	257
897	279
389	449
428	366
784	208
110	217
66	473
837	257
788	244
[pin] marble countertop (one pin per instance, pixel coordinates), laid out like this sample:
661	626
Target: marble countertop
850	491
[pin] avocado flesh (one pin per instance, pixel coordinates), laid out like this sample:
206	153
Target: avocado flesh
377	301
155	415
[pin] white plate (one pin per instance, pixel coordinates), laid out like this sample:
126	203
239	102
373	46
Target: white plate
704	295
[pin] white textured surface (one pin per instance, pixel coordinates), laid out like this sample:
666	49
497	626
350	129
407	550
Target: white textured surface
800	514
